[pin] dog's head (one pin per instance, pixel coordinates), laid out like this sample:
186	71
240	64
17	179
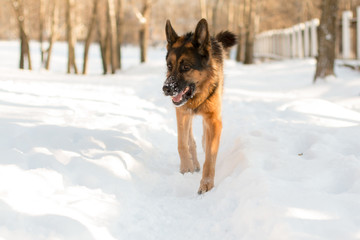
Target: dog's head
187	59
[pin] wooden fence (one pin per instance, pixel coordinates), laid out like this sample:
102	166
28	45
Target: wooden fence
300	41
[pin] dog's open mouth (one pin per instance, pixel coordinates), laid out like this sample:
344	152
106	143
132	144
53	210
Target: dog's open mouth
183	96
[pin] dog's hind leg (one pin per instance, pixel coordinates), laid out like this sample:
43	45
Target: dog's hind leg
204	136
192	149
183	125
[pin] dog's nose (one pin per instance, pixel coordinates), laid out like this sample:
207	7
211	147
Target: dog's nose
167	90
170	87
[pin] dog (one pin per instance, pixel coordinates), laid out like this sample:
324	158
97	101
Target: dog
195	84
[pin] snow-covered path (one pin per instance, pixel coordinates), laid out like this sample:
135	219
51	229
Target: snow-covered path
95	157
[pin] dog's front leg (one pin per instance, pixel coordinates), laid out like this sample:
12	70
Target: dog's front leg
213	126
183	126
192	149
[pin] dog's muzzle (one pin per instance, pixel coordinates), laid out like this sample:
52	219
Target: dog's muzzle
179	94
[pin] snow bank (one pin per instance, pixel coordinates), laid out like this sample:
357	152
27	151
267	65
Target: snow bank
95	157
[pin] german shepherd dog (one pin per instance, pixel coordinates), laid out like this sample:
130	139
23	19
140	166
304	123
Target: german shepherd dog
195	84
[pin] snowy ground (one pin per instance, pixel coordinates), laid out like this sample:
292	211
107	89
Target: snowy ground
95	157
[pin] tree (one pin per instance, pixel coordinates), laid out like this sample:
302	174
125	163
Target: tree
109	29
71	37
24	40
41	28
239	26
214	16
249	36
103	43
144	20
112	34
119	30
89	35
326	39
230	19
53	31
203	8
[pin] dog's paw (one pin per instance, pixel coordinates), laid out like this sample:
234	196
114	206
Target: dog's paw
185	168
206	185
196	166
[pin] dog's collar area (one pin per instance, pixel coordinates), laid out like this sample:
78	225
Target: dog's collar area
212	92
216	85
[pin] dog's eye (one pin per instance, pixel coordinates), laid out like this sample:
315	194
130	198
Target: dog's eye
169	66
185	68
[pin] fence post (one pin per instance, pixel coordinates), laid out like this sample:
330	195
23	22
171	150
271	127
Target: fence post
268	43
288	40
293	42
300	51
258	44
265	44
313	37
346	40
278	44
358	32
283	43
306	39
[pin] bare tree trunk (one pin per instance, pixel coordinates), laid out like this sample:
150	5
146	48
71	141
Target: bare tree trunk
214	16
119	30
240	24
112	34
90	34
203	8
209	13
229	9
71	38
54	33
249	38
239	45
144	19
25	49
24	42
143	42
230	19
102	43
326	40
41	28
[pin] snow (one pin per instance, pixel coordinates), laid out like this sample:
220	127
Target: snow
95	157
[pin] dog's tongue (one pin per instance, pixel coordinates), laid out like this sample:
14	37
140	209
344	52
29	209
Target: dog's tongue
178	97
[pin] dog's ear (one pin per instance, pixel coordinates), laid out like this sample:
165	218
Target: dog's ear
171	35
202	36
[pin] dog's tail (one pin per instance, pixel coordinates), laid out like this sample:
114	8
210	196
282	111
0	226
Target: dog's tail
227	39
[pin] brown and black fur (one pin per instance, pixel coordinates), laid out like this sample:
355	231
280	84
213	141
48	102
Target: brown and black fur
195	82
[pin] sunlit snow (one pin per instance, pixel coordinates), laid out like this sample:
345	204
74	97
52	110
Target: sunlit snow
95	157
